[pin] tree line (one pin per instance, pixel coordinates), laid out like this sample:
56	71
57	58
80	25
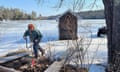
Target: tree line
15	14
97	14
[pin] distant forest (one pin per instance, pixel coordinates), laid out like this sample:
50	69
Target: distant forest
98	14
15	14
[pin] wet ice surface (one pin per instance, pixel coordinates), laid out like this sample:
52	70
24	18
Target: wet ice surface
11	32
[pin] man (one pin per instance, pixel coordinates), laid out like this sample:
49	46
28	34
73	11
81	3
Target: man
35	37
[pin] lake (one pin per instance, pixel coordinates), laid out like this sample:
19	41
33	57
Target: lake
11	32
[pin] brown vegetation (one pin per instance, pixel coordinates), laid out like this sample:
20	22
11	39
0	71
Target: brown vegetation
25	64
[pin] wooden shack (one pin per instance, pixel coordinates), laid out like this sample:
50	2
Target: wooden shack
68	26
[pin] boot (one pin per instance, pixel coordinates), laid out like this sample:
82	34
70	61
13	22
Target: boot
42	51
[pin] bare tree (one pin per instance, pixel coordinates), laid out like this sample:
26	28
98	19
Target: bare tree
112	8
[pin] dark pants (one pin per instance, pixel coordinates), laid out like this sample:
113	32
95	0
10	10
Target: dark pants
36	46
